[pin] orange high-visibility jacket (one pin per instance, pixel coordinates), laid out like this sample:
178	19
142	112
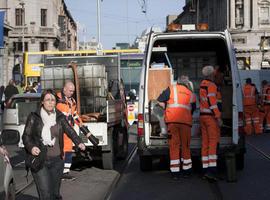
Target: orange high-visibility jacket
266	95
249	95
68	108
208	99
178	109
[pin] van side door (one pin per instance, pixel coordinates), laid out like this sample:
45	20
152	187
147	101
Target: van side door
237	88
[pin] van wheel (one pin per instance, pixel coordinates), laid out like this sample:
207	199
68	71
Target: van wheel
108	156
11	192
146	163
122	143
240	161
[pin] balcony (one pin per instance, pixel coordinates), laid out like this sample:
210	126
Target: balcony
45	31
34	31
18	31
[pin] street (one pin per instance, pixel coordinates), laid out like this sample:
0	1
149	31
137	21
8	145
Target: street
252	182
92	182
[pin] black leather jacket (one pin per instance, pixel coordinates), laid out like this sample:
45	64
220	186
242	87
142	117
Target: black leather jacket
33	129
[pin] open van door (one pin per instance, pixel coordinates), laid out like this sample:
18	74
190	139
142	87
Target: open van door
237	88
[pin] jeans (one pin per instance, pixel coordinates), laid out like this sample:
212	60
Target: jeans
48	179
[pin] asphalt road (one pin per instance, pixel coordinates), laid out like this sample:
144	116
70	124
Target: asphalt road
253	181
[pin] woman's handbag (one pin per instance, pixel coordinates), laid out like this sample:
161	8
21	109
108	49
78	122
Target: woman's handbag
36	163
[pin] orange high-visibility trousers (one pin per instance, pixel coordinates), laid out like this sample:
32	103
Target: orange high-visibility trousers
267	117
210	138
261	117
252	120
180	135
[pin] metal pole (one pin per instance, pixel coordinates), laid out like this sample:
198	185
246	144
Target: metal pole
98	21
23	25
198	12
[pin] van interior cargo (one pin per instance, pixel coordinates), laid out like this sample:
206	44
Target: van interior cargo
187	57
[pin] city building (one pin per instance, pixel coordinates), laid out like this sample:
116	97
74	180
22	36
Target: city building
248	21
36	26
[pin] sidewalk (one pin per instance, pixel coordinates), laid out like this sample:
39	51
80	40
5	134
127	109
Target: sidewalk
90	184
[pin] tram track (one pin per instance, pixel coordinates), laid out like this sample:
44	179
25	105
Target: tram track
125	165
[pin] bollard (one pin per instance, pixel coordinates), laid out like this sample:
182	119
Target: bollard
231	167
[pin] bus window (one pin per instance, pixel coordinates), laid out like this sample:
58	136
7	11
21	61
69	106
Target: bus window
35	59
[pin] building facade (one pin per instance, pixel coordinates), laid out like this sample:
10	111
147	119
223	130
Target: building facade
36	26
247	20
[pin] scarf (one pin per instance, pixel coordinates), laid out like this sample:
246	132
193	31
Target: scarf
48	120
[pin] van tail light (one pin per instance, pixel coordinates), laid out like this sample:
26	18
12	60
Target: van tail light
241	123
140	125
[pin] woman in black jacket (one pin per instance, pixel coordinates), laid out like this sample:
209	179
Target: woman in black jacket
43	134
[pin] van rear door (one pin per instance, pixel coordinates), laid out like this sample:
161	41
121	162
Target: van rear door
237	88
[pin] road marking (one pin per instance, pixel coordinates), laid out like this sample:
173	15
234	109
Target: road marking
125	166
259	151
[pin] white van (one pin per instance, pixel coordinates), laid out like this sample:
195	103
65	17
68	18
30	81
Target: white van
185	53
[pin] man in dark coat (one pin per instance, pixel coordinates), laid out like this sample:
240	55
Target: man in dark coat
10	90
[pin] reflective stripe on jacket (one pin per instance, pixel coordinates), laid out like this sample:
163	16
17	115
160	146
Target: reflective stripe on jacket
249	95
208	98
178	107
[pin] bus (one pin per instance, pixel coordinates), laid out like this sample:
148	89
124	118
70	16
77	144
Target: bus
33	61
131	66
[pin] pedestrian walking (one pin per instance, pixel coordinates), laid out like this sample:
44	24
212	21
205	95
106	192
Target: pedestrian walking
67	105
210	122
180	102
251	111
43	141
10	90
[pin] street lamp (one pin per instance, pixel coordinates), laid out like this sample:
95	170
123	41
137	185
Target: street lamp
99	46
23	23
23	26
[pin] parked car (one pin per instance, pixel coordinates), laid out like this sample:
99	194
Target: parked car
16	112
7	183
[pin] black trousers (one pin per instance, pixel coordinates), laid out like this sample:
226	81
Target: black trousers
48	179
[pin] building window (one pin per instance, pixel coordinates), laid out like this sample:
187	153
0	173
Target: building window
62	24
17	46
19	16
264	15
43	17
43	46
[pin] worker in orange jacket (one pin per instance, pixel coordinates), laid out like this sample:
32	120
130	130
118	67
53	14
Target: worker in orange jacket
210	122
265	102
180	103
251	111
67	105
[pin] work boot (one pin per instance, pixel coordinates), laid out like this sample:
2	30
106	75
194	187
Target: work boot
175	175
186	174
